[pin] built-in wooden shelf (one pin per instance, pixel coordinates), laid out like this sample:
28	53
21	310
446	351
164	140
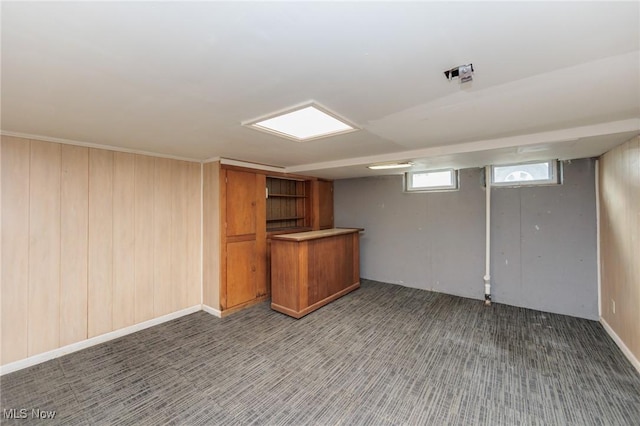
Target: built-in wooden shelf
287	203
280	219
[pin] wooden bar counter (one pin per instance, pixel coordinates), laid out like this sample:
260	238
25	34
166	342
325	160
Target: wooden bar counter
311	269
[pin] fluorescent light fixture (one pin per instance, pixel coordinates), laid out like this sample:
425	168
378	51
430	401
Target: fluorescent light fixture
390	166
303	123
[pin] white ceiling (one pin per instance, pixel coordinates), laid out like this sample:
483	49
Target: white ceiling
552	80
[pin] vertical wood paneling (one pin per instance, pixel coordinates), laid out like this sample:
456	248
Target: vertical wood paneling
123	240
144	237
162	291
211	236
632	301
44	248
179	241
15	248
620	241
193	235
93	241
100	295
74	225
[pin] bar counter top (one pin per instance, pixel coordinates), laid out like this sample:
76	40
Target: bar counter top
314	235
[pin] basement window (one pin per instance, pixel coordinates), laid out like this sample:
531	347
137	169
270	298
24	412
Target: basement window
431	180
526	174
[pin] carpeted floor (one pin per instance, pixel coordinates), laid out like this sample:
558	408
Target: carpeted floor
382	355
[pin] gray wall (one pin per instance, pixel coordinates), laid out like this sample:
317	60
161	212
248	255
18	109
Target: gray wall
543	238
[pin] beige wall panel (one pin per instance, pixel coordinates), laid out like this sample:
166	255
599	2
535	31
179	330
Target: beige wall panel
144	237
74	228
211	234
100	308
193	235
620	241
123	240
179	241
15	248
162	290
44	248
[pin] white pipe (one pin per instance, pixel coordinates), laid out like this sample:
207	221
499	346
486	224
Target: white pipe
487	265
598	253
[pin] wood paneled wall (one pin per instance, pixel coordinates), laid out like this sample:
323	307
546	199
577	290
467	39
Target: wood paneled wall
620	241
211	234
93	241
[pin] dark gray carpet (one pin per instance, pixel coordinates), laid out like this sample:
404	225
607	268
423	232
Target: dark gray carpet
382	355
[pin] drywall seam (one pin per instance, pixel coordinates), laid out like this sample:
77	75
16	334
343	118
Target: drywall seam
625	350
74	347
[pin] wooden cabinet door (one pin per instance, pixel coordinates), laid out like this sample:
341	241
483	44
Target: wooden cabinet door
240	202
325	194
241	272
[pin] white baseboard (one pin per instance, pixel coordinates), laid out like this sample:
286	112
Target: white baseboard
625	350
74	347
212	311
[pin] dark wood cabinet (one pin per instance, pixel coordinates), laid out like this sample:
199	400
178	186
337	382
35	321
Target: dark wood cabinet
243	209
325	204
243	254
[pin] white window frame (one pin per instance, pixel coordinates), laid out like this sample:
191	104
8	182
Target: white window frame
555	175
408	178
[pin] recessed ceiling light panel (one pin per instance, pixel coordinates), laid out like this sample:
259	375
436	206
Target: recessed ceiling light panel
303	123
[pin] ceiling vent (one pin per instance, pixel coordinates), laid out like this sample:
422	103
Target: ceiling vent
463	72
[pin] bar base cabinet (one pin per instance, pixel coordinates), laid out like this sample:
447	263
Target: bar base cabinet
311	269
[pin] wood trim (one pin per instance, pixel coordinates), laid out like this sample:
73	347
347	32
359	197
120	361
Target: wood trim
317	305
223	238
268	173
244	305
261	237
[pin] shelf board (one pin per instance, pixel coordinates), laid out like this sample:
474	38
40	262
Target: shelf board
280	219
287	196
287	230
